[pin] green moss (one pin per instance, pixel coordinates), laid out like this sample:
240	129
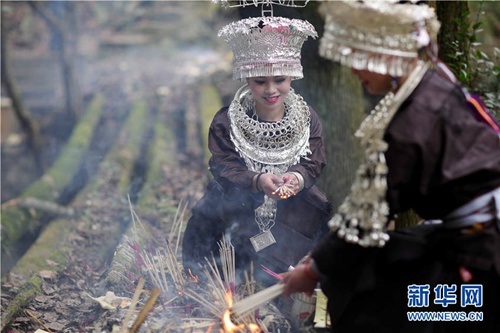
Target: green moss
58	176
18	221
25	296
121	158
50	245
126	152
162	143
15	223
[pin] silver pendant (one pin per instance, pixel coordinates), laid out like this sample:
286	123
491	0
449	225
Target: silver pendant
262	240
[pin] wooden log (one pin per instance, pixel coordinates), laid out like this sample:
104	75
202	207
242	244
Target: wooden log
53	244
122	156
18	221
160	151
26	294
42	205
148	204
132	133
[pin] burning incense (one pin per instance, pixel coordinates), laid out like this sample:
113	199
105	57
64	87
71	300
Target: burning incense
156	271
285	191
246	305
226	250
217	284
270	272
177	225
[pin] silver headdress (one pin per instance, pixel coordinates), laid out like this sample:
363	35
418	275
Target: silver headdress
379	35
383	37
267	46
244	3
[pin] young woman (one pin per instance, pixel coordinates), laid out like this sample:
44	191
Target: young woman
267	152
430	147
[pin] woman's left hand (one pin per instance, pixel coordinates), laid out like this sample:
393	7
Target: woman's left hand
288	186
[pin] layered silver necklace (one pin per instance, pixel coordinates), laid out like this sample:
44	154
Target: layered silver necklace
269	147
362	218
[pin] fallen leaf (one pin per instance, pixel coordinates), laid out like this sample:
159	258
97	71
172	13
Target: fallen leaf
46	274
110	301
55	326
51	263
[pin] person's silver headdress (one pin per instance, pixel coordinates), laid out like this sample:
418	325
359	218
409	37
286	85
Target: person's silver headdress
244	3
266	45
378	35
382	37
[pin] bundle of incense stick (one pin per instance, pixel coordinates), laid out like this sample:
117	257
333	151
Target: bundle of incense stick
246	305
226	252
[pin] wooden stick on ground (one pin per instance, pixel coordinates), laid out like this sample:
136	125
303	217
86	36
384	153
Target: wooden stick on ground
133	303
38	321
39	204
145	311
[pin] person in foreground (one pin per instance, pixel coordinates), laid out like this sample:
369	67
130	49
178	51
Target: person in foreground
429	146
267	152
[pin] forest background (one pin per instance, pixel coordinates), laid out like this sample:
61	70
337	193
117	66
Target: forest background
108	100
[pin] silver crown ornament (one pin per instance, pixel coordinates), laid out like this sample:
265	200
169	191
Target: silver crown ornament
382	36
267	46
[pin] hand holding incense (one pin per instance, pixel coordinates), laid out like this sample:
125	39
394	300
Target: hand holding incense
246	305
285	190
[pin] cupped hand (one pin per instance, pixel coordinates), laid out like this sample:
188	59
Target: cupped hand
288	186
268	183
291	182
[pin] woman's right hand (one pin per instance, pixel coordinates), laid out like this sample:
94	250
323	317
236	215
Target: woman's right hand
268	183
299	280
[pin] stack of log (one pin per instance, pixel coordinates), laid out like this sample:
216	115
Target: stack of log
101	205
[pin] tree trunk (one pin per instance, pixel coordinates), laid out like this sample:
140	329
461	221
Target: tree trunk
454	18
28	124
336	95
64	30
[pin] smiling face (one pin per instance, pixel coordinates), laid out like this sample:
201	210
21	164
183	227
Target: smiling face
269	93
373	82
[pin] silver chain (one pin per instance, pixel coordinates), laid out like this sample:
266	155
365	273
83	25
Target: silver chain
269	147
